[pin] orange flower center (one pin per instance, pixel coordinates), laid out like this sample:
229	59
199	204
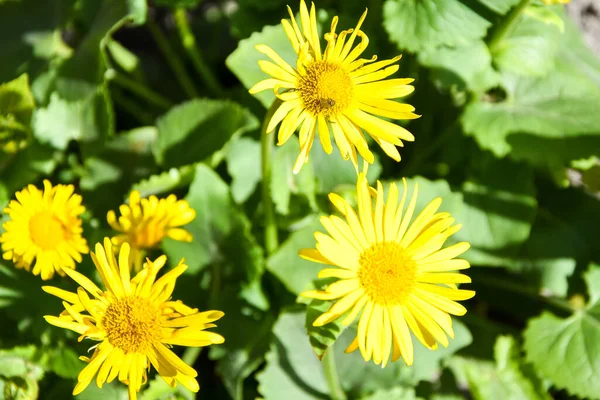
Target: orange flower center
387	273
132	324
325	88
46	230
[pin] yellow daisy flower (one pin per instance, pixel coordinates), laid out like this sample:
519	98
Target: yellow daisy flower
44	228
335	90
134	321
393	271
144	223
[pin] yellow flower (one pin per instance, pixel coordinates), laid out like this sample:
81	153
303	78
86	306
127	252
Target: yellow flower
134	321
393	271
45	228
335	90
144	223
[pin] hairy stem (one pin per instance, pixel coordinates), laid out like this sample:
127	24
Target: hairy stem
506	24
333	381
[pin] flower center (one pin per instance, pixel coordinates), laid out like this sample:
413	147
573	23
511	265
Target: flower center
132	324
46	230
387	273
326	88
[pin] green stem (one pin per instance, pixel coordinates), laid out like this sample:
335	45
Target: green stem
524	290
190	355
188	41
266	154
505	24
137	88
172	59
333	381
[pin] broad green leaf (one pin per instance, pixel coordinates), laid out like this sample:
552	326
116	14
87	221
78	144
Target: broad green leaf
243	62
158	389
244	166
567	351
321	337
196	129
16	108
222	237
75	112
528	49
296	273
417	25
473	72
495	210
209	196
547	120
293	368
19	373
65	362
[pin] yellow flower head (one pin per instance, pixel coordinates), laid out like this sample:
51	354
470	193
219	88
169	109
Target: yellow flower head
391	271
134	321
335	91
144	223
45	228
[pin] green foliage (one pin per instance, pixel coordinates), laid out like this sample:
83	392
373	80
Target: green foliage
509	138
570	344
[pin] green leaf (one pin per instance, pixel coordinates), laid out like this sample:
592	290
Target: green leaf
114	391
499	6
243	62
528	49
75	112
546	15
547	120
293	368
243	164
16	108
19	373
196	129
321	337
496	208
27	165
332	172
296	273
396	393
209	196
18	20
165	182
474	72
417	25
65	362
567	351
241	354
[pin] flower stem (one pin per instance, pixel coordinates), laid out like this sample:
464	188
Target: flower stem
266	154
188	41
504	26
172	59
137	88
333	381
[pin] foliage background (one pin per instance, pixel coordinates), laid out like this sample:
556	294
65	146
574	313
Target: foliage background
117	95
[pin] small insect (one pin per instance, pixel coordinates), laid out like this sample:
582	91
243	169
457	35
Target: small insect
327	103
